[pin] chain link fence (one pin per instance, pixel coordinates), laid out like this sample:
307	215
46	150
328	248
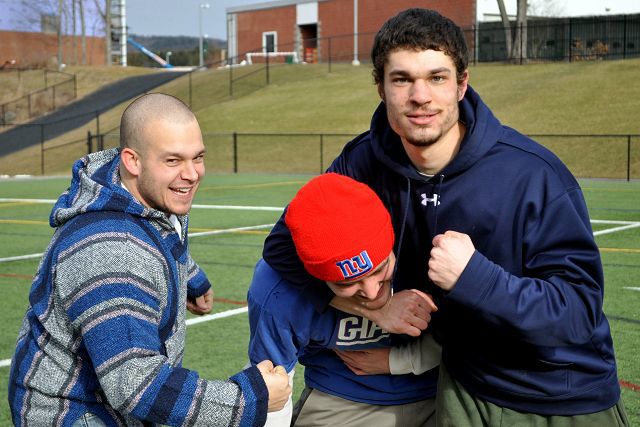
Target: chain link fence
59	89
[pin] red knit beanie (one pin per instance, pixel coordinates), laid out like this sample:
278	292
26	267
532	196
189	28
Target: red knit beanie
340	228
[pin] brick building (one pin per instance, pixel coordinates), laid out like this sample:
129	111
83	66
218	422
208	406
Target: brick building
28	35
314	30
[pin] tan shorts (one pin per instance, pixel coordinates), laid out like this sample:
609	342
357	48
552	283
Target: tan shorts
315	408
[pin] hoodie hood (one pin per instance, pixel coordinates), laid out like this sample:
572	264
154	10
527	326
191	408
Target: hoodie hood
96	186
482	131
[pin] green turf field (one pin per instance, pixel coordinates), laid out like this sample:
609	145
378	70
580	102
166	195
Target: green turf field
217	348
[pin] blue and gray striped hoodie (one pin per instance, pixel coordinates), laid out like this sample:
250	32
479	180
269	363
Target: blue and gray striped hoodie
104	332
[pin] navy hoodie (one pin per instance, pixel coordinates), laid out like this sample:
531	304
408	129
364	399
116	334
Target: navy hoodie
523	328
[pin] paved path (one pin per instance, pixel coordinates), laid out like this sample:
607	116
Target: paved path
81	111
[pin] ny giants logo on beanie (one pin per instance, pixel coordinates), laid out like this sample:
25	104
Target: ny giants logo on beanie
356	266
340	228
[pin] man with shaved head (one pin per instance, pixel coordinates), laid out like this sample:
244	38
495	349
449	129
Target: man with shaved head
103	337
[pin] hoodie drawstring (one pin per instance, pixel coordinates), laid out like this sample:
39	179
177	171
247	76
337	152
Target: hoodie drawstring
402	227
435	210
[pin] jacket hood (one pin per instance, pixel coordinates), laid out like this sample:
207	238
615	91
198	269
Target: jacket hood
482	131
96	186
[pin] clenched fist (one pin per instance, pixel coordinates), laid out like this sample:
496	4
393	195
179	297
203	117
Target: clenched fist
450	255
277	382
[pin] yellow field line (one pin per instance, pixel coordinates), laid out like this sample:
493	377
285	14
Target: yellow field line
624	250
612	190
197	230
23	221
237	187
13	204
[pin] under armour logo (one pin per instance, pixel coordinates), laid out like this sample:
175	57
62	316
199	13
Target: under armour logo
435	200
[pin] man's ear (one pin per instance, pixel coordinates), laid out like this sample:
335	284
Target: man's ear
131	161
462	86
380	87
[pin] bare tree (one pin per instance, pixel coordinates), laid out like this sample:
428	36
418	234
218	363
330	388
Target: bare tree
59	22
515	38
507	26
83	30
74	49
519	50
105	14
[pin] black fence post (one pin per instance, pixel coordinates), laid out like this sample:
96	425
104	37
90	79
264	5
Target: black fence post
42	149
97	113
624	38
521	41
628	158
190	99
53	97
2	116
235	152
329	54
29	105
231	79
321	153
89	142
75	87
267	68
570	42
476	37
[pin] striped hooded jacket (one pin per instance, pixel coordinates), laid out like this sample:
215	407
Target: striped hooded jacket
105	329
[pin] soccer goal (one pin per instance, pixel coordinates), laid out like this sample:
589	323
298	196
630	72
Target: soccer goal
289	57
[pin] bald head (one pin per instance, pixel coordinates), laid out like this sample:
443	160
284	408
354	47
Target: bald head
146	110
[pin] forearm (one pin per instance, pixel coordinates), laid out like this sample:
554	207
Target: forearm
197	282
415	357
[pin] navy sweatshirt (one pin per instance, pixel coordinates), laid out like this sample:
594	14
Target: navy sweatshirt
524	327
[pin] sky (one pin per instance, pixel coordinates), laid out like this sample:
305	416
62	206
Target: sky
181	17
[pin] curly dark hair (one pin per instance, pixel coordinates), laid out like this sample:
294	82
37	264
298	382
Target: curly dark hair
419	29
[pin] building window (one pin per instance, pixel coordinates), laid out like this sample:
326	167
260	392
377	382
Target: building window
48	23
270	41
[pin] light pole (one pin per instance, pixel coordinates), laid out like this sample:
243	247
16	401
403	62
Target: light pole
167	56
355	33
202	6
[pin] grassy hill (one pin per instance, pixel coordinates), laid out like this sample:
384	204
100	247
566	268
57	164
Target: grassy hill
586	97
558	98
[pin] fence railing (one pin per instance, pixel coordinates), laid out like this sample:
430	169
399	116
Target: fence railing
544	39
612	156
41	101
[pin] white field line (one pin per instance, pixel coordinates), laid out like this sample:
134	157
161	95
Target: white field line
631	288
202	233
20	257
45	201
624	225
198	234
3	363
240	208
228	313
229	230
193	321
228	207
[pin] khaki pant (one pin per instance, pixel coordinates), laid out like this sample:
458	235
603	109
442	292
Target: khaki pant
457	408
315	408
